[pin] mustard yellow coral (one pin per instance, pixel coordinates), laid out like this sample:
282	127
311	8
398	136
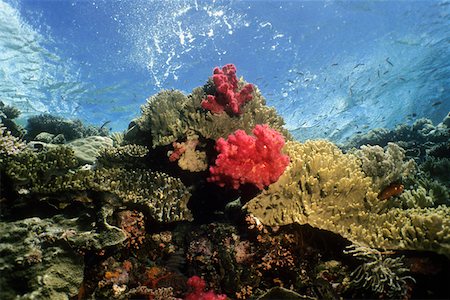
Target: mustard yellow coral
327	189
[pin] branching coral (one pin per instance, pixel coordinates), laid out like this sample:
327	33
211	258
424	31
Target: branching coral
384	166
124	156
31	169
162	197
9	145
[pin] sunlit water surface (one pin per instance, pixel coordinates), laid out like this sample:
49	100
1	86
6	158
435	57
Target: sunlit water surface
331	68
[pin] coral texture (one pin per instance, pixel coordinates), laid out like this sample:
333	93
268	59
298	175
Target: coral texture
71	129
42	252
228	97
327	189
382	274
246	159
9	145
161	197
384	166
170	116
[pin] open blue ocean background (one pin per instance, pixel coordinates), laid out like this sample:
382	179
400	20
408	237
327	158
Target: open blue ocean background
331	68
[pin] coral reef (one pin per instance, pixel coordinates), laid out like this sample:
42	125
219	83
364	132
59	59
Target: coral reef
170	116
7	115
9	144
70	129
417	139
384	166
142	215
42	258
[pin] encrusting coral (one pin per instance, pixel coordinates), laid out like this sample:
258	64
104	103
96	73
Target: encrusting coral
327	189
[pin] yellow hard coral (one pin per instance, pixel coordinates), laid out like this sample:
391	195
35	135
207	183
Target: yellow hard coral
327	189
309	191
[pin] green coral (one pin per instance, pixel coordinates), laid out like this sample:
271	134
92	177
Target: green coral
170	115
423	192
162	197
42	253
31	169
327	189
126	156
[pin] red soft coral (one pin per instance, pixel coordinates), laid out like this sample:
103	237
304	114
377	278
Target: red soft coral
227	96
246	159
198	294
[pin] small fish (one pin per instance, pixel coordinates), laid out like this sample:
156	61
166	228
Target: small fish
389	62
385	72
358	65
414	114
334	65
104	124
384	84
392	190
378	73
402	79
436	103
300	73
291	81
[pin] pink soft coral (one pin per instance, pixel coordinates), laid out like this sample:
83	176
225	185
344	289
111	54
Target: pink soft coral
199	294
246	159
227	96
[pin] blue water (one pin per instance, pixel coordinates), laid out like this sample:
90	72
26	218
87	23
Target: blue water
331	68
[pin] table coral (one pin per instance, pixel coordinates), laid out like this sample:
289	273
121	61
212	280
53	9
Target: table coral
327	189
246	159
